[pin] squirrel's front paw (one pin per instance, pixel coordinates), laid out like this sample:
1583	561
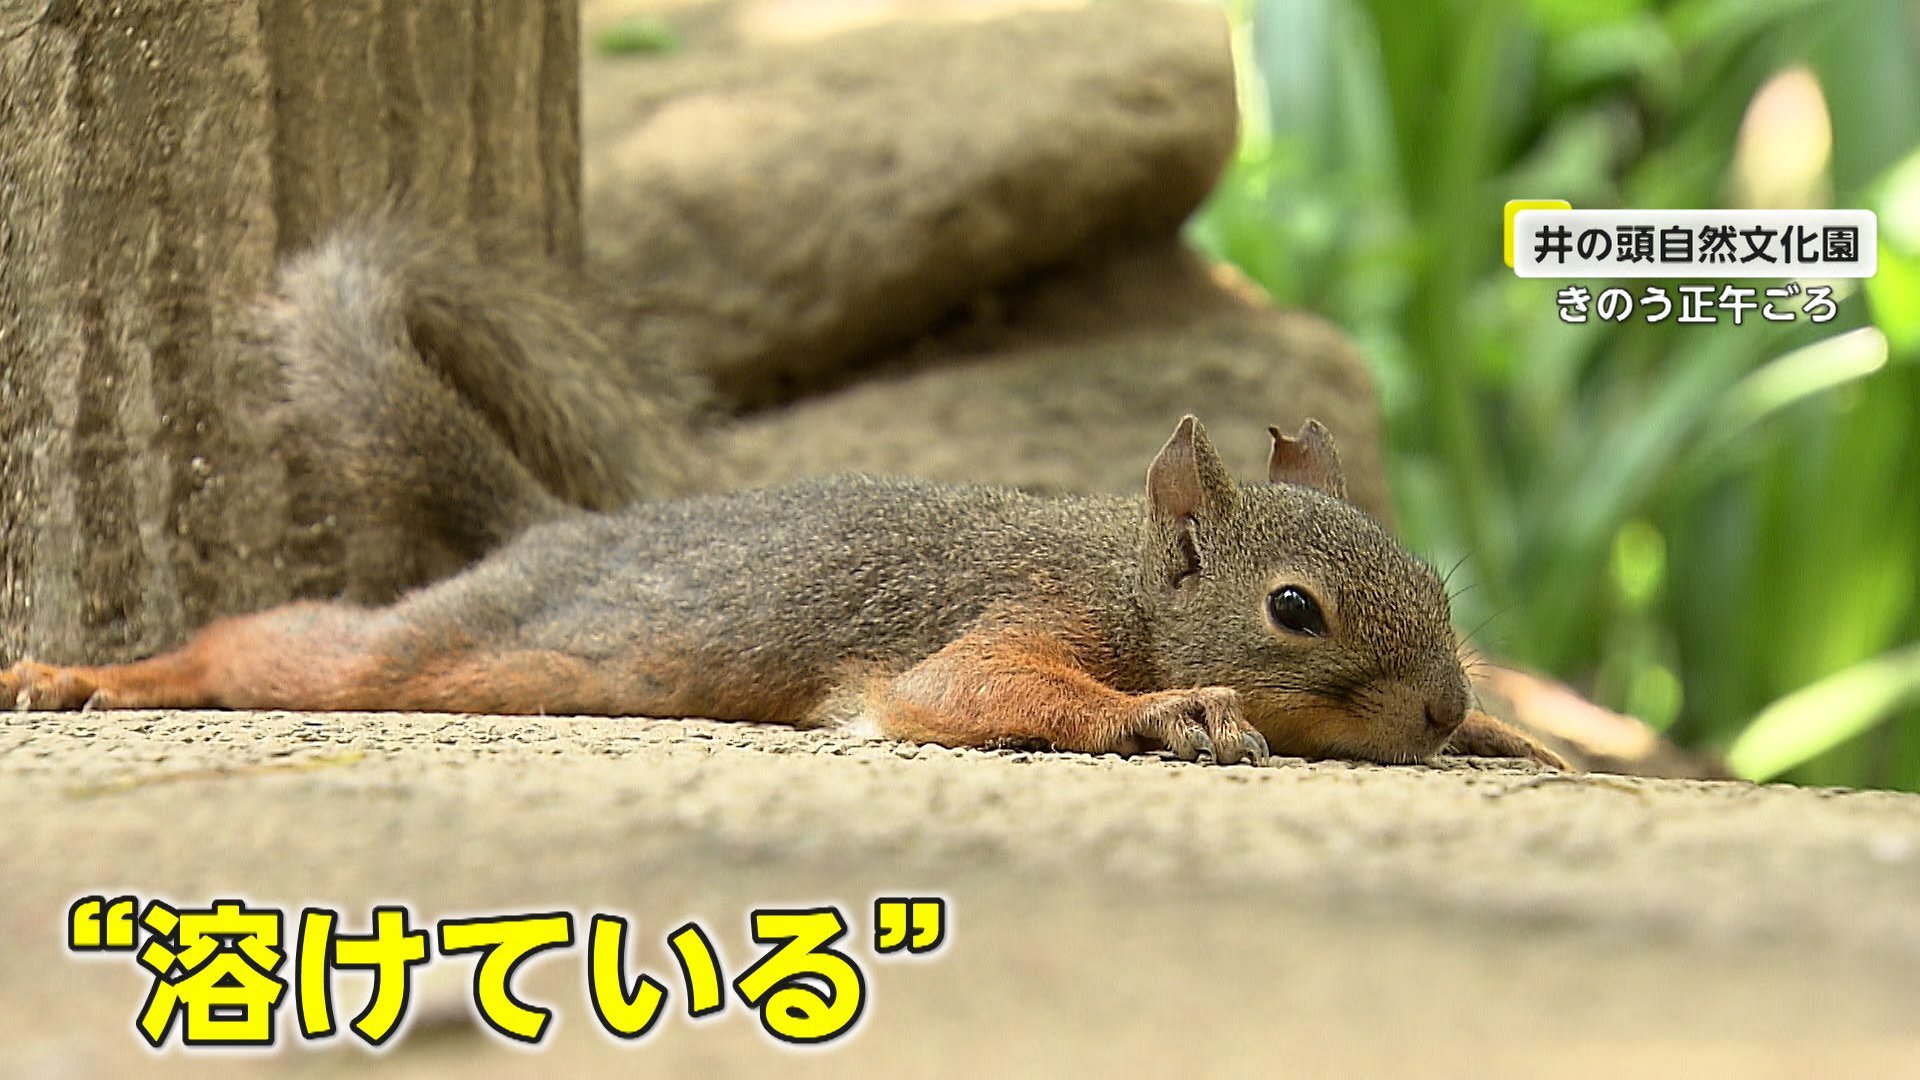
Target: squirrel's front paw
1202	721
28	686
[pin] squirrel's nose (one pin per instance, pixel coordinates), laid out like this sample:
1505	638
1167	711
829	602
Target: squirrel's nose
1444	716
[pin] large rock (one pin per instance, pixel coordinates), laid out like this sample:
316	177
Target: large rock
1072	383
780	213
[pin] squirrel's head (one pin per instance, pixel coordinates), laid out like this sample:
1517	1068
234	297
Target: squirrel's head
1338	639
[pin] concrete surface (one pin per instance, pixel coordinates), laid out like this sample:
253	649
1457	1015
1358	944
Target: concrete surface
1121	916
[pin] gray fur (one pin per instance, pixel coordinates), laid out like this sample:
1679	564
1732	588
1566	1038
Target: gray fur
781	595
441	397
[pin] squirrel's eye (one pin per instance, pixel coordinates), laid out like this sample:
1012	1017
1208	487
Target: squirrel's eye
1291	609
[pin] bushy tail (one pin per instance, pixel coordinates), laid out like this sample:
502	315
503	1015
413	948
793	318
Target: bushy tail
439	401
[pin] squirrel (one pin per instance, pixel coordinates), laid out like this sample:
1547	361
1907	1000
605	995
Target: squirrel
473	410
441	394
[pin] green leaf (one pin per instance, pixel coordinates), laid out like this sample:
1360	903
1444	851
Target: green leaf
1894	291
647	34
1790	379
1816	718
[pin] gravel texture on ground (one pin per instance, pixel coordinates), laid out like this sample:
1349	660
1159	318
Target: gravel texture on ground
1121	915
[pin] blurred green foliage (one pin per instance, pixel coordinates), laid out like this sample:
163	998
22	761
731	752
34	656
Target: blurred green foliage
1716	528
637	34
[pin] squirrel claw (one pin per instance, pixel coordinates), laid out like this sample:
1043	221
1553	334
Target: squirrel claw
1254	747
37	687
1196	744
1202	723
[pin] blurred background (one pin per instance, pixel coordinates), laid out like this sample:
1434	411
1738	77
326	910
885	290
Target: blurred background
1715	528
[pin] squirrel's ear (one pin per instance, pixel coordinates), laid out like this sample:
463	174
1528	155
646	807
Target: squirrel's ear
1308	459
1188	476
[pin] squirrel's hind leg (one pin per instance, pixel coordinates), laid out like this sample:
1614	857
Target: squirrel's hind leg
1480	735
313	657
1001	686
300	656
